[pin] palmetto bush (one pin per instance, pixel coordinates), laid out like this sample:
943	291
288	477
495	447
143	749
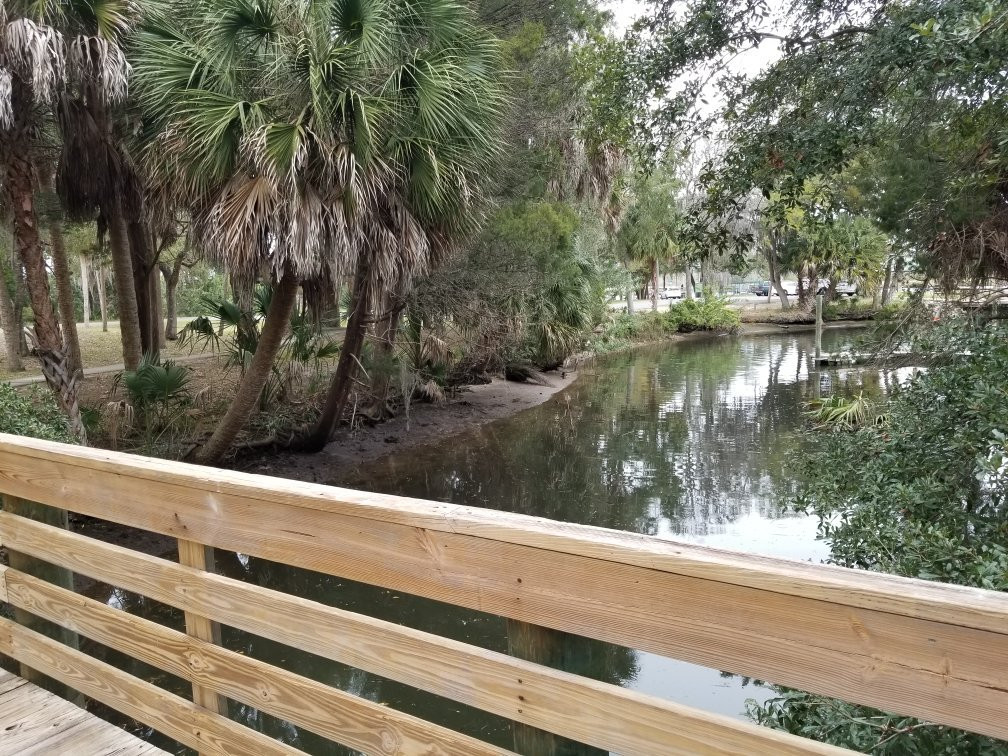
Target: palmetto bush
227	329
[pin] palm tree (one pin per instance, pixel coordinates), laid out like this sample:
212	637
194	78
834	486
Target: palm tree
288	127
443	86
46	49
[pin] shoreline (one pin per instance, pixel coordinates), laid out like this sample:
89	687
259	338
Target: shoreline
472	407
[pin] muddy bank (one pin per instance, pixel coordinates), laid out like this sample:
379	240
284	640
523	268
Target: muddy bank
471	407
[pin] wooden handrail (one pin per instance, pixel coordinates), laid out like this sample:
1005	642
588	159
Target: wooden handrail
907	646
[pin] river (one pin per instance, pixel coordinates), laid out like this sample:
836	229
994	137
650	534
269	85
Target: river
690	441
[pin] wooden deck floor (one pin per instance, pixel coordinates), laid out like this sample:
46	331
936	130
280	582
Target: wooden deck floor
34	721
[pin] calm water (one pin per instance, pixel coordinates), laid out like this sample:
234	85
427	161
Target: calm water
690	442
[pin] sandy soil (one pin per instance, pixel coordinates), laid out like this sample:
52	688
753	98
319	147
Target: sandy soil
469	408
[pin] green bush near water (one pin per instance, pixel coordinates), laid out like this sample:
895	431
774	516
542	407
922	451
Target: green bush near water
916	486
707	314
624	330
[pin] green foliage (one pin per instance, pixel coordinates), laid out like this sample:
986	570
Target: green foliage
159	398
33	414
156	385
196	285
866	730
624	330
226	328
839	412
707	314
909	98
921	494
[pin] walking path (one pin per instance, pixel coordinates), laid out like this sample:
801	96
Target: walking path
105	369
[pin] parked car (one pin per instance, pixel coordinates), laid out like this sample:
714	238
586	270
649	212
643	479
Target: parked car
762	289
673	292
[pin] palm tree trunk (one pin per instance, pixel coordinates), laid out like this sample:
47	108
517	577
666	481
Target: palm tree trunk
142	260
247	395
64	292
122	268
384	350
20	302
346	368
85	288
28	243
11	326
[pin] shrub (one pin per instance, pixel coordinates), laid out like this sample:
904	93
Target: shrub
32	414
707	314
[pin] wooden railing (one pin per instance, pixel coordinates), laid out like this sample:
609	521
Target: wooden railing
911	647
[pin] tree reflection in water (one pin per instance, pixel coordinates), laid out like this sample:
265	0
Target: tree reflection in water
673	440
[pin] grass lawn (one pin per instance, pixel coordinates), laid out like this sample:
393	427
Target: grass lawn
98	349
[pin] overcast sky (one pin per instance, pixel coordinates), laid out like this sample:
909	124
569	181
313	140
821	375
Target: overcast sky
625	12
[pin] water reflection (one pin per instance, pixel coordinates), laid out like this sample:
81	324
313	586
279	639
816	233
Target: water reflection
672	441
690	441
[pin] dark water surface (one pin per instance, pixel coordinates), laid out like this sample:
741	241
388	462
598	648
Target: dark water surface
689	441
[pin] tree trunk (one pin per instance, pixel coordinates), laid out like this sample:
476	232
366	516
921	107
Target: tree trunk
346	368
810	288
142	261
11	326
101	277
20	302
85	288
384	352
122	269
831	289
690	292
249	389
171	278
28	243
654	284
887	284
897	277
64	292
775	276
158	308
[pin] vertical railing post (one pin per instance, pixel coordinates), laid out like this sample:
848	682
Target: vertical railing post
200	557
818	327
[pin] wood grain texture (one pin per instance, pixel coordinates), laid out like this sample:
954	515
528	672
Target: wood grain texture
353	721
35	722
169	714
942	672
605	716
80	478
199	557
908	646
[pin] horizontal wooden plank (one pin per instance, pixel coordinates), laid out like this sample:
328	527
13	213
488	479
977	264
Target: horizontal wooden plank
80	479
353	721
169	714
592	712
943	672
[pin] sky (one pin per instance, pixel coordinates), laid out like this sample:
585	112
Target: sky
751	62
